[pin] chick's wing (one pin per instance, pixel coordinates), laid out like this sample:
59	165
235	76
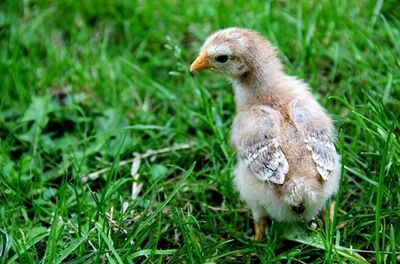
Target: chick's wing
256	136
318	137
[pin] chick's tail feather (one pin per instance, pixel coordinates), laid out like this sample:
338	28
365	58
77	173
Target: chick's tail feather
301	192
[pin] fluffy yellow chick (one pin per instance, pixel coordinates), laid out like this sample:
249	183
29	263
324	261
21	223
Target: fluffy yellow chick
287	163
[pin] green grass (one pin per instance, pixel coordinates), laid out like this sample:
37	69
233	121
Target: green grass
86	84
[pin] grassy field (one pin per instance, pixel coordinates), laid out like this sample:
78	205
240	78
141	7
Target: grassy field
112	152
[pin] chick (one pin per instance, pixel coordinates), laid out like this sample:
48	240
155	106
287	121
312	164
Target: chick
287	163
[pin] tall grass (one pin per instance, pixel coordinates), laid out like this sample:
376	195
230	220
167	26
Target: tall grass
84	85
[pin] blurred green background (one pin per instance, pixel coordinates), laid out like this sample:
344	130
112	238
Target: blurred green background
86	84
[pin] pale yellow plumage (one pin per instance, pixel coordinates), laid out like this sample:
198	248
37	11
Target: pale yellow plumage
287	163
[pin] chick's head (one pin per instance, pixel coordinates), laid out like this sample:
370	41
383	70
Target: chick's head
234	52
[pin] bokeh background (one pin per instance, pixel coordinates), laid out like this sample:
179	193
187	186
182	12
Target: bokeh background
84	85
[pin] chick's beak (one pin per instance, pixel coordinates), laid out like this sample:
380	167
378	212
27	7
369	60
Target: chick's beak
200	63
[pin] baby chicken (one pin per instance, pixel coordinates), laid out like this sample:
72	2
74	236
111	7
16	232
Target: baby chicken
287	163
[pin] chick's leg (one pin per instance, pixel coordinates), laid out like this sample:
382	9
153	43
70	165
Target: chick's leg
331	208
259	227
260	222
322	217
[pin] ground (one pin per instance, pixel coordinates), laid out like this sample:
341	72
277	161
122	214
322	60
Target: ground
91	86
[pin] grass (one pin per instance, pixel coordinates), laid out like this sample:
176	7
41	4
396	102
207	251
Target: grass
86	84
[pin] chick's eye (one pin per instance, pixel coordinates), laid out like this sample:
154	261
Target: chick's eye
222	58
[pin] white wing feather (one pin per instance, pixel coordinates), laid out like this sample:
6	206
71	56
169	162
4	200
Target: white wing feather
262	153
318	139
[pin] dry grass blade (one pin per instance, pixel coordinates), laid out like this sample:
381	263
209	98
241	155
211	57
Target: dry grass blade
151	152
332	211
136	187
